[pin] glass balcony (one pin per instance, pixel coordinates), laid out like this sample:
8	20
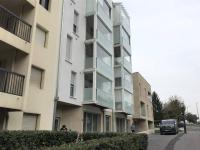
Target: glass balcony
105	42
128	85
128	107
104	69
126	45
128	103
104	16
128	65
88	96
104	98
90	7
126	25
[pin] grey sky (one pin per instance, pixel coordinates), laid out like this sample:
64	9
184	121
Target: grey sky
166	46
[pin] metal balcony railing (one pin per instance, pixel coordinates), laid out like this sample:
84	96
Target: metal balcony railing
14	24
11	82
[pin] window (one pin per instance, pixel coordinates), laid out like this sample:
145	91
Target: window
57	124
142	107
68	47
89	27
45	4
37	77
41	37
73	84
107	122
75	25
120	124
29	122
91	122
88	56
118	82
117	54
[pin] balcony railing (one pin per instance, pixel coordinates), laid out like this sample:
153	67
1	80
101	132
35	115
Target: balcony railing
14	24
11	83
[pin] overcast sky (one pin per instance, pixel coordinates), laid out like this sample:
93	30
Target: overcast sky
166	46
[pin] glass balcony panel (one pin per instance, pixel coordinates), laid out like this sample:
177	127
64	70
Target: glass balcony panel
106	19
126	24
126	45
104	98
127	65
104	69
105	41
118	100
128	103
128	85
88	94
90	7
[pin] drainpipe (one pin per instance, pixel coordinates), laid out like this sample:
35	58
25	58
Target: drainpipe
56	98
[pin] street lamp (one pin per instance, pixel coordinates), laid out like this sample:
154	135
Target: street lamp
183	114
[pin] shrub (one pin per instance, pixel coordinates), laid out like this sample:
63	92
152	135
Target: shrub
23	140
123	142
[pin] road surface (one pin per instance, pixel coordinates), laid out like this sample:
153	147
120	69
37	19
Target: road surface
189	141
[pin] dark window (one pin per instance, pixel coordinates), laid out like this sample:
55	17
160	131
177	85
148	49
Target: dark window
45	4
118	82
107	123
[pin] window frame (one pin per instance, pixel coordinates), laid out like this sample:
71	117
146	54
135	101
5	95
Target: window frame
73	84
76	23
68	51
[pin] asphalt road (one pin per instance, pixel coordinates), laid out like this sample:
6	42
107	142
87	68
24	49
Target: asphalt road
189	141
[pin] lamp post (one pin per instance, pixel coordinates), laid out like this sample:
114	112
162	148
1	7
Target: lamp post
183	114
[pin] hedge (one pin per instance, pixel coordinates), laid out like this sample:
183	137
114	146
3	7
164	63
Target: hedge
91	136
25	140
123	142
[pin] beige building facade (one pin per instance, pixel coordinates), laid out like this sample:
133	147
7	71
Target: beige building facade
29	47
143	114
65	62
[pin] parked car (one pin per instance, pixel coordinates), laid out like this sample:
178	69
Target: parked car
169	126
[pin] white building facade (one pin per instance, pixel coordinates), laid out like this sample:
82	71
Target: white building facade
87	92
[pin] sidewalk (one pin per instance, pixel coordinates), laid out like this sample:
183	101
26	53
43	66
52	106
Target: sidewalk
189	141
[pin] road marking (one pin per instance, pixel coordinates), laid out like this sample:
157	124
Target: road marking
172	143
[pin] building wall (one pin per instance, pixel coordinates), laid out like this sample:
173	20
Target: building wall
76	63
38	101
142	94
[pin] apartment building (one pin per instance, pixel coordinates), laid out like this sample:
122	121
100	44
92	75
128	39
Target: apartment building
143	114
122	68
86	80
65	62
29	48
